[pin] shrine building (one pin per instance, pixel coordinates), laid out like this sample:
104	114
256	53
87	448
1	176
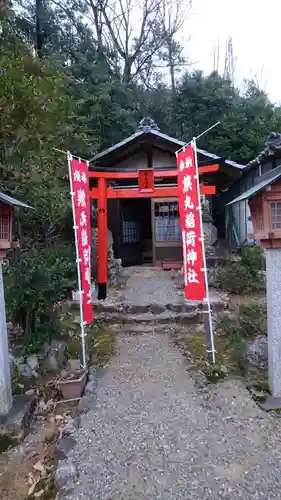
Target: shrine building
133	185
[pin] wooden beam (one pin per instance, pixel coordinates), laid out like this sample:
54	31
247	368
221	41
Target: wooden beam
157	173
159	192
208	169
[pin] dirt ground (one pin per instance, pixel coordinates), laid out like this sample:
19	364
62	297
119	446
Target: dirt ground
26	471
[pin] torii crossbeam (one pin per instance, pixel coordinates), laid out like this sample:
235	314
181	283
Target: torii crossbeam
148	190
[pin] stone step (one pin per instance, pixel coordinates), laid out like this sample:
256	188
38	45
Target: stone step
155	309
156	328
149	318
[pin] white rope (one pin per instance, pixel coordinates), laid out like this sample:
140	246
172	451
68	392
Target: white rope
198	136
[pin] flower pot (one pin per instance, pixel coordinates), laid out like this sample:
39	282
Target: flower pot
73	388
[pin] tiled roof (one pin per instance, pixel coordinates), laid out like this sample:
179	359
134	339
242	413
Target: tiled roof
148	127
12	201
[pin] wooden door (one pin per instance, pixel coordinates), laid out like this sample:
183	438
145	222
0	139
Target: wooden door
166	232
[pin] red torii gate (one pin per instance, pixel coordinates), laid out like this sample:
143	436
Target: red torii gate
104	192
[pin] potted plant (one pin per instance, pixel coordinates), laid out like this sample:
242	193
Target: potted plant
72	385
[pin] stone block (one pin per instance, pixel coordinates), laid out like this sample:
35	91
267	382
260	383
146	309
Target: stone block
66	474
86	404
90	388
157	308
257	352
25	370
32	361
210	233
70	428
56	356
73	365
51	364
64	447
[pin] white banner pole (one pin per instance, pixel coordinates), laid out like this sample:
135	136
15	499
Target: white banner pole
78	260
207	299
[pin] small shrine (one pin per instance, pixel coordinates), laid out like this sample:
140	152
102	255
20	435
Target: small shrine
264	200
133	185
7	205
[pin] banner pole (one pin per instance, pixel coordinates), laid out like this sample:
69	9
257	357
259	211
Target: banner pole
208	324
194	138
82	325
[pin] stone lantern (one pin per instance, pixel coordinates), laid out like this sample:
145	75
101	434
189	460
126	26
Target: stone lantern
264	200
7	205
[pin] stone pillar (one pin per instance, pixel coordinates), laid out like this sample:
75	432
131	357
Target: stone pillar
209	230
273	286
5	373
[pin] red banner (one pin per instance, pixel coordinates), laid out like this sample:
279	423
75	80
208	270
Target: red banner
81	207
194	276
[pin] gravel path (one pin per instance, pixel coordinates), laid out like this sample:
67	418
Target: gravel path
154	434
149	285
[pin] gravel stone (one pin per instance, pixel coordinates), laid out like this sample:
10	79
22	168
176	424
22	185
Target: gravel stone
63	447
70	428
153	434
90	388
66	475
86	404
156	432
257	352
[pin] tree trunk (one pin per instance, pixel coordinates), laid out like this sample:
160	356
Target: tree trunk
127	72
39	37
171	66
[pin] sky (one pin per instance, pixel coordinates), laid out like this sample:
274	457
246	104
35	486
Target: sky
255	28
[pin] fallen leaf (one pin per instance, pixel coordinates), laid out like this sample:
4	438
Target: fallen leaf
39	494
59	417
30	479
31	489
39	466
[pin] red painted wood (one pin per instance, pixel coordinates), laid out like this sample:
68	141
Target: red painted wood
102	231
164	192
208	169
146	180
157	173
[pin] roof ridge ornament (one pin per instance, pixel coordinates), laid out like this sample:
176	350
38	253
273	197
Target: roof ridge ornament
271	147
273	142
146	125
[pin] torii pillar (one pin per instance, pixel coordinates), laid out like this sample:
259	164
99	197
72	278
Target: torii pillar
102	239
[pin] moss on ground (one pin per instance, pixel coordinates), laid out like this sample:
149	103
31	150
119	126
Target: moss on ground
194	348
101	342
231	335
100	338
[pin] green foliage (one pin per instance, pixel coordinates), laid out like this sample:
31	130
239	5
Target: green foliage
253	259
242	276
101	342
235	278
75	97
35	280
15	378
253	319
74	347
249	321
